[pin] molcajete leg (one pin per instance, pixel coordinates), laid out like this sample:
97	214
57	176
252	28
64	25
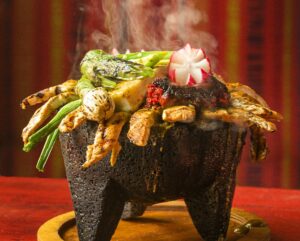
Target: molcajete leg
99	221
210	208
133	209
98	201
209	213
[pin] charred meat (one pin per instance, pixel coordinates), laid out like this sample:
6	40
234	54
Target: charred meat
213	94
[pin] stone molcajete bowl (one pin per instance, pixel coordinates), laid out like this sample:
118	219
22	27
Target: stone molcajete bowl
184	161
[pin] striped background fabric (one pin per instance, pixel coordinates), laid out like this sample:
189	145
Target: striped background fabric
256	43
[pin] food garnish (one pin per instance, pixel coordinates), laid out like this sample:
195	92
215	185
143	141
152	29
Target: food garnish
105	70
50	126
143	89
72	120
182	113
44	95
106	139
189	66
140	125
45	111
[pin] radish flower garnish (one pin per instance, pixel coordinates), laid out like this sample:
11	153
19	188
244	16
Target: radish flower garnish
189	66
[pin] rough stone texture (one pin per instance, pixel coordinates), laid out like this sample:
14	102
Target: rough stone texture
181	162
133	209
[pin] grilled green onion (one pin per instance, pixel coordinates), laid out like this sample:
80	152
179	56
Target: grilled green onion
48	146
51	125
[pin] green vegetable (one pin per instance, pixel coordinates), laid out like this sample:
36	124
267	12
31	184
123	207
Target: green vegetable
100	67
144	54
150	60
83	86
51	125
163	57
48	146
105	70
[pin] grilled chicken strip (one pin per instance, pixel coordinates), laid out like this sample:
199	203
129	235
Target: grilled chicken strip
258	144
45	94
106	139
140	126
241	100
72	120
114	153
185	114
240	117
45	111
244	89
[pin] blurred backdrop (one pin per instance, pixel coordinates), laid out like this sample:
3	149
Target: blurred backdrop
255	42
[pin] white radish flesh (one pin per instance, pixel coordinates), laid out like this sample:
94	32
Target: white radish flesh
189	66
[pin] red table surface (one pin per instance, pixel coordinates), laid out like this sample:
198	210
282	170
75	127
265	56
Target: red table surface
26	203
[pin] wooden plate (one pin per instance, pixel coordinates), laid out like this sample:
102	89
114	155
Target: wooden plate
162	222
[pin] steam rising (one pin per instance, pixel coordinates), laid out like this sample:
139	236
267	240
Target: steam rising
148	25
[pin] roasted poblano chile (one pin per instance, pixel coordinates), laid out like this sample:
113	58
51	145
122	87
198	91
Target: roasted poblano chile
99	66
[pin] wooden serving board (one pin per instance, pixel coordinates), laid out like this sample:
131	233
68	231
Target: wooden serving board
163	222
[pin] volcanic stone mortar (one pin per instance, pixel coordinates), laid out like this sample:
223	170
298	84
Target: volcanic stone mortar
184	161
